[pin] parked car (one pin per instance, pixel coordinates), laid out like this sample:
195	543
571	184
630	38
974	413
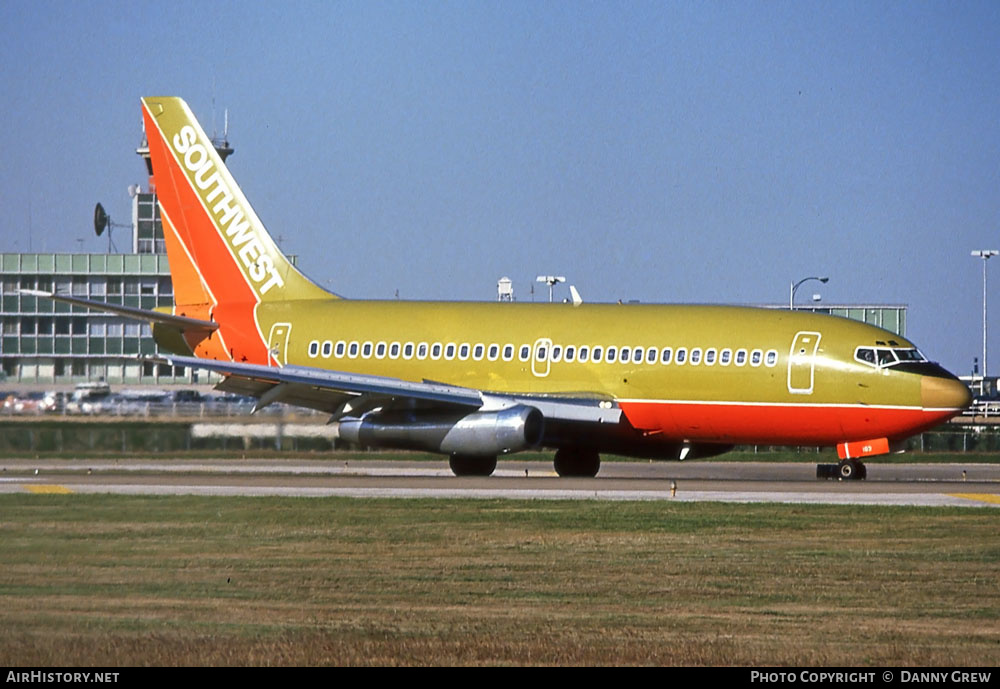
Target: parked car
28	403
89	398
54	401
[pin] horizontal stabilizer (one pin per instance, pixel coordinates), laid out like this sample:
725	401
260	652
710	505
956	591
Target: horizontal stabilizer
148	315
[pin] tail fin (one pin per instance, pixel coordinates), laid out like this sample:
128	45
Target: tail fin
222	261
217	233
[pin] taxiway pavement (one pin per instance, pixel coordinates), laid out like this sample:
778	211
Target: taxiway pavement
888	484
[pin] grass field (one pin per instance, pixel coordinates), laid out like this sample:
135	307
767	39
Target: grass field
117	580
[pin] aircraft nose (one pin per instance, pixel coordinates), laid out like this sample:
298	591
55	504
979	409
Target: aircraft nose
944	393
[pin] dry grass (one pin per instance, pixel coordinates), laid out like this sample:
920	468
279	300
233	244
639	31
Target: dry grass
102	580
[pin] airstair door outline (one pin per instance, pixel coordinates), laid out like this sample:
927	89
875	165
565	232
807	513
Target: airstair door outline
540	357
277	343
802	362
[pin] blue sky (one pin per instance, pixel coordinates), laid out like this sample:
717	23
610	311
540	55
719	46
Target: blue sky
662	151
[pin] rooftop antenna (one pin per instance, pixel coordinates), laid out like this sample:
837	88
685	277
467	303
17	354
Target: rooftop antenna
102	221
551	281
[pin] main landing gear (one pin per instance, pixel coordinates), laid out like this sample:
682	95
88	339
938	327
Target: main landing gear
573	462
472	465
846	470
577	462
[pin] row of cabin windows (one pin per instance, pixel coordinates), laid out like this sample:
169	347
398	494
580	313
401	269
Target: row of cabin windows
553	353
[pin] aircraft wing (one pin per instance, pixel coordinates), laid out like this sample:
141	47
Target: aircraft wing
138	314
342	394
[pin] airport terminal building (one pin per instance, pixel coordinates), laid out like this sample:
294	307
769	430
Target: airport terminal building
43	341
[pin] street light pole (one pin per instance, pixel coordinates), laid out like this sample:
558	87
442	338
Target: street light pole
986	255
792	287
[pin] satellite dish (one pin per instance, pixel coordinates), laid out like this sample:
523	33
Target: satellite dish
100	219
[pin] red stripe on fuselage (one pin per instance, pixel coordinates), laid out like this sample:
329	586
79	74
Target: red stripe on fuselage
778	424
194	226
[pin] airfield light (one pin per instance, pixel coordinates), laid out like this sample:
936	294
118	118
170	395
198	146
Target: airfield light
986	255
794	286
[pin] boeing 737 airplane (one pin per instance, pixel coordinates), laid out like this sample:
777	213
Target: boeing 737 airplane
478	380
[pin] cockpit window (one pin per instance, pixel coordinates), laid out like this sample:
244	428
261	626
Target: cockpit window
884	357
910	355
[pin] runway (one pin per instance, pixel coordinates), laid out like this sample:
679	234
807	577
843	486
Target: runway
969	485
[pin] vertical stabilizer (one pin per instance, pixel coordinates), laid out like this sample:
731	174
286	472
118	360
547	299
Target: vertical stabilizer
223	263
225	240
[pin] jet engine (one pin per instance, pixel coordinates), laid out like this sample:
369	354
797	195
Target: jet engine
480	433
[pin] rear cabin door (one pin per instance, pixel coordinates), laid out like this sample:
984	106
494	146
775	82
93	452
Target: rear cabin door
277	342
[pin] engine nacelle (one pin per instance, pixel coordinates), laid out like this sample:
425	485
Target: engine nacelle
481	433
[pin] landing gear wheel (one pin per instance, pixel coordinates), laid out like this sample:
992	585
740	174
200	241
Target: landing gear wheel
577	463
472	465
852	470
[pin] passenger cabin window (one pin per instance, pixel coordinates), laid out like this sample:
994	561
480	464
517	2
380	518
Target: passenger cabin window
449	351
612	355
772	358
477	352
651	355
380	350
508	352
314	349
666	354
422	350
493	353
408	350
725	357
525	353
436	351
626	352
741	357
556	352
681	356
352	350
327	346
756	357
695	356
463	352
394	350
570	354
366	350
341	346
710	355
596	356
583	354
